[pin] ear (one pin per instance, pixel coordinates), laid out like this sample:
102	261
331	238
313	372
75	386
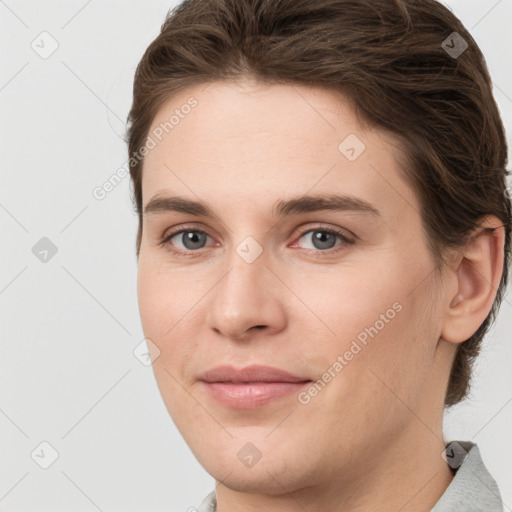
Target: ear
478	270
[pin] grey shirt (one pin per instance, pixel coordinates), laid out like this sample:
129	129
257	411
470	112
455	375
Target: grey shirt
472	489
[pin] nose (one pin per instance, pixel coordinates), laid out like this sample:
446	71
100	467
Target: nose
248	301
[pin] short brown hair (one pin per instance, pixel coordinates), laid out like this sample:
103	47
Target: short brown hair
391	59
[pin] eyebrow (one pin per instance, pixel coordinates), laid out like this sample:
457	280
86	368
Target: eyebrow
282	208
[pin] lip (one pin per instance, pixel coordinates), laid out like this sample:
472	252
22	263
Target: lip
250	387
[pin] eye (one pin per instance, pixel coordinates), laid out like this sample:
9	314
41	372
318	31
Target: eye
190	240
186	242
323	240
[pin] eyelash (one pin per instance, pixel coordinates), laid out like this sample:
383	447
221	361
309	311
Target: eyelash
316	253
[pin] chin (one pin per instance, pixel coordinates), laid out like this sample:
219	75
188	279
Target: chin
263	481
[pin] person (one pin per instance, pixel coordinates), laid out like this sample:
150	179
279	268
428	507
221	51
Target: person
323	242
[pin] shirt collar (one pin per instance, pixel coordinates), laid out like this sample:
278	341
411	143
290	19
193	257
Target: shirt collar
472	489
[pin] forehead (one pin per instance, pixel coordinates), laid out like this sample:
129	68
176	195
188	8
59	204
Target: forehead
249	142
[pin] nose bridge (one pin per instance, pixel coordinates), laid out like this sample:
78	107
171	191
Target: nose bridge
246	258
245	297
246	279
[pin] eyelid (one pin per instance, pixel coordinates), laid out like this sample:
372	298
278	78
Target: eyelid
319	226
169	233
348	238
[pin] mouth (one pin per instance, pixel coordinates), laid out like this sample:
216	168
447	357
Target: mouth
250	387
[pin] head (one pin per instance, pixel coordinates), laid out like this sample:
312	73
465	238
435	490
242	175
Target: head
252	115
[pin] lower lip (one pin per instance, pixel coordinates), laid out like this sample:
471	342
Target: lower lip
251	395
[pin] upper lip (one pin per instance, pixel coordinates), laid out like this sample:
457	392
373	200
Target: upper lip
253	373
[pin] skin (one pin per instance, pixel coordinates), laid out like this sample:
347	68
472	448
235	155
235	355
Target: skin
371	439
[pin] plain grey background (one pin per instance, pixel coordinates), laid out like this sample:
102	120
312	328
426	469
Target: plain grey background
69	320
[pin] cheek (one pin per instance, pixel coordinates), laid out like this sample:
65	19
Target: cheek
159	314
151	292
164	296
378	328
395	361
170	312
161	307
348	304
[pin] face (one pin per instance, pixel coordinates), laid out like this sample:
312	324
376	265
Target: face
305	255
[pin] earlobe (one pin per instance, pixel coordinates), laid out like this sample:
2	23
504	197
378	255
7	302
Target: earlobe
478	274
